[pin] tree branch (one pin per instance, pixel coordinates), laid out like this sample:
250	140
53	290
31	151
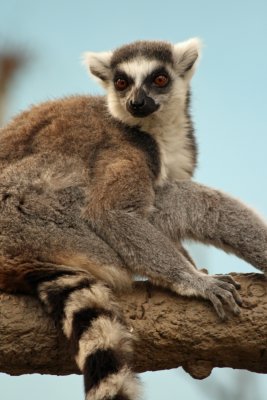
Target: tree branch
173	331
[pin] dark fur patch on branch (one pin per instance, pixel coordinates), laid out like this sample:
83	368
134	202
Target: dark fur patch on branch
38	276
98	366
57	296
82	320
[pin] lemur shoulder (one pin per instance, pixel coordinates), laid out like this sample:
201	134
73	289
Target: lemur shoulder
94	190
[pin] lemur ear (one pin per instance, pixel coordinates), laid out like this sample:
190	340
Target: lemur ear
186	55
99	65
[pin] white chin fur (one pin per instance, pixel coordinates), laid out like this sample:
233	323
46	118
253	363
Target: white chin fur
118	111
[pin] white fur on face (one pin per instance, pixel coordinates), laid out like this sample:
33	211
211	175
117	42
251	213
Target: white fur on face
138	69
167	125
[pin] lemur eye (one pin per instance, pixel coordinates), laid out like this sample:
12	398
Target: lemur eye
161	80
121	84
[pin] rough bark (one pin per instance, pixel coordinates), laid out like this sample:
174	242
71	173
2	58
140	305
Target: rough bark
173	331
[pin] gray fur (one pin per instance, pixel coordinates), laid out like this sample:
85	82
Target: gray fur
212	217
88	200
161	51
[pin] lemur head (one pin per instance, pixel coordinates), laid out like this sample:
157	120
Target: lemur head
145	79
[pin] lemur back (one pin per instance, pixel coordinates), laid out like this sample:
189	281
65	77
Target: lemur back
89	197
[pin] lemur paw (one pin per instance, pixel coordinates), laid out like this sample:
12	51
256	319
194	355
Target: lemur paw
221	289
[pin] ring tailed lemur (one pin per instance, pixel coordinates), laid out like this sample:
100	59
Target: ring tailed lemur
96	189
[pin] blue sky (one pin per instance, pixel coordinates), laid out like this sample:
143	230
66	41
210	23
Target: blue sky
229	108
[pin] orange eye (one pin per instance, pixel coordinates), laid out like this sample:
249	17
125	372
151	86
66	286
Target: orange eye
161	80
121	84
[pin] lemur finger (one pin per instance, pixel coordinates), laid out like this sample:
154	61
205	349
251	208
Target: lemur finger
217	304
237	296
228	298
228	278
231	288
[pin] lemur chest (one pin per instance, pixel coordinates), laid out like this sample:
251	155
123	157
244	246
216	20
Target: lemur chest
175	156
169	156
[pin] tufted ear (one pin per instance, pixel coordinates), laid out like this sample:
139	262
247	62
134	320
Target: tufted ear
99	65
186	55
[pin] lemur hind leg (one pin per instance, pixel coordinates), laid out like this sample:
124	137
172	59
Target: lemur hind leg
48	252
85	309
189	210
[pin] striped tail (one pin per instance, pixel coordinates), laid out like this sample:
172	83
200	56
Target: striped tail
98	336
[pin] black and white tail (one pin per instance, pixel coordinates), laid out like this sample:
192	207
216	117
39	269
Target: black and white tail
92	322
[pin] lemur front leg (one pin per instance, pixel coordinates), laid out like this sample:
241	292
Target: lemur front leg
116	211
189	210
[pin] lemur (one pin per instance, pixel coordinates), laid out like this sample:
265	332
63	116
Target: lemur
96	190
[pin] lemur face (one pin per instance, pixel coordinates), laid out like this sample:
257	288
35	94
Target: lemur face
141	85
146	78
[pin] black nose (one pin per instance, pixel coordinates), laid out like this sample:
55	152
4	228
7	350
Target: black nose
137	104
141	105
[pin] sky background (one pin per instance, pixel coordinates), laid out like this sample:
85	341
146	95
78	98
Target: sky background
229	107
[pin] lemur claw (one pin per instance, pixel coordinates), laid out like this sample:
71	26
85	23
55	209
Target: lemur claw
222	290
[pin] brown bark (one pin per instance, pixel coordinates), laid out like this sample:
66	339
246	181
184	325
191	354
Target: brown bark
173	331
